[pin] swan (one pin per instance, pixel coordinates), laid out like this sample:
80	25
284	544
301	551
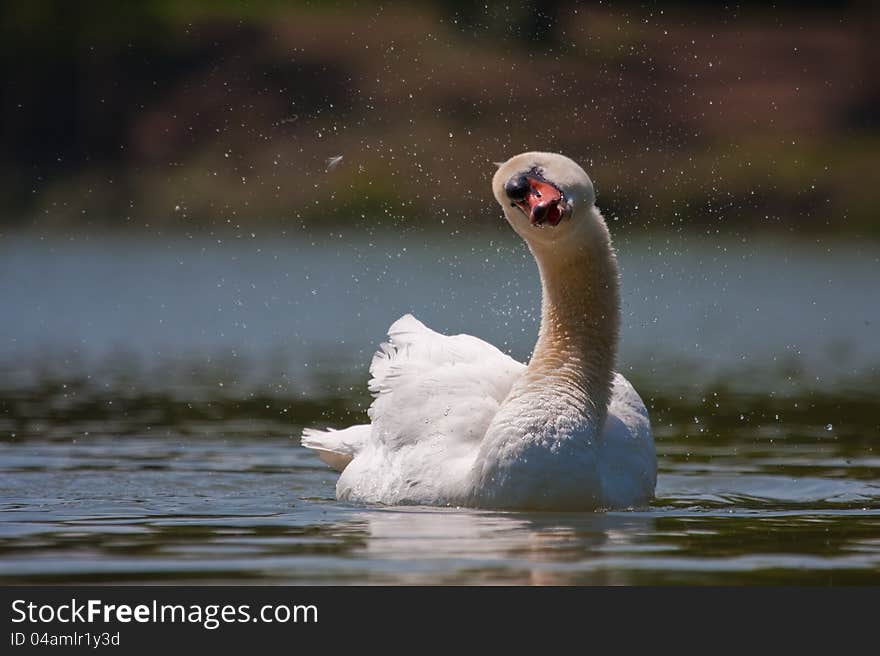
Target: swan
456	422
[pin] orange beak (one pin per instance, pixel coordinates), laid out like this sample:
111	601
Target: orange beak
543	203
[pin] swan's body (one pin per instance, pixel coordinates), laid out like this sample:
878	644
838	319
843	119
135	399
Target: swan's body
457	422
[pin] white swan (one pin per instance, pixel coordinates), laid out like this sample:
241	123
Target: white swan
457	422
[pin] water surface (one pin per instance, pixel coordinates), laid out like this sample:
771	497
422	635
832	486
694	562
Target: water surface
152	392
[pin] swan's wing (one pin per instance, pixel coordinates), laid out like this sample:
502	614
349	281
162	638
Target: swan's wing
433	388
630	464
627	406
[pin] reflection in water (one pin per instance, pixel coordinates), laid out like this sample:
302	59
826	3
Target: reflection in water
487	547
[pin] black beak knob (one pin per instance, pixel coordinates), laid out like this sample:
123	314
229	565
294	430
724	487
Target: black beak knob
517	188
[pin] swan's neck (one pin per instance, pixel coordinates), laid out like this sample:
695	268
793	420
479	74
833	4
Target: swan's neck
571	369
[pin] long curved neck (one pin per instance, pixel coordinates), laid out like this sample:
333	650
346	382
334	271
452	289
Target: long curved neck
572	366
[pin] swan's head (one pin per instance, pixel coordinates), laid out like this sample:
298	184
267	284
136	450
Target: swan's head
547	198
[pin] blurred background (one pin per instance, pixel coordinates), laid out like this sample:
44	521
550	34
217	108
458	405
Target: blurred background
211	211
177	115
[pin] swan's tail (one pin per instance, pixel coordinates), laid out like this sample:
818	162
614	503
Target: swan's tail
337	447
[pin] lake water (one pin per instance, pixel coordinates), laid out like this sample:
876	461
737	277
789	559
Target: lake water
152	391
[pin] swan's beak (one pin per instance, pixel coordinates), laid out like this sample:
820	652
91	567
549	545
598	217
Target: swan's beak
538	199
